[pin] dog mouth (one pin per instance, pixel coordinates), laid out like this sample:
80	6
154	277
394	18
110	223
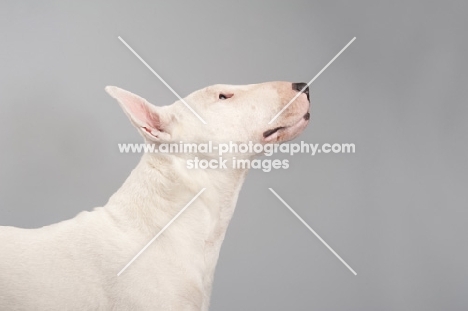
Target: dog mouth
269	133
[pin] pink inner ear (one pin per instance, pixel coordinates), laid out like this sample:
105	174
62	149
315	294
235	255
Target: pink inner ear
139	109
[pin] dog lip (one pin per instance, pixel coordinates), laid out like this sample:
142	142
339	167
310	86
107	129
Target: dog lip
276	129
272	131
268	133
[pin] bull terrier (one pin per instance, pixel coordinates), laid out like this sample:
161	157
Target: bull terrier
73	265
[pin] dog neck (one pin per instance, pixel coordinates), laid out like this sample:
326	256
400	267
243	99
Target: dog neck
158	188
162	184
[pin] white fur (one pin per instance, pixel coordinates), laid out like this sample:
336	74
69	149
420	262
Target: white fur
73	265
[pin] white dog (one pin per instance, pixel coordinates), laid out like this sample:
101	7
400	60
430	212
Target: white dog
73	265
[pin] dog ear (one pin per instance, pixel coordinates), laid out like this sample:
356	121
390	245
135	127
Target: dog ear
147	118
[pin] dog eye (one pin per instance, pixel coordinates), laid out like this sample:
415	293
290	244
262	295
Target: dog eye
225	96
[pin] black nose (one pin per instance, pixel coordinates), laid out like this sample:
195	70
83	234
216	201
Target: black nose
299	86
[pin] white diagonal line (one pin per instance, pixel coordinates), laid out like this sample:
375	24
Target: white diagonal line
313	79
312	230
162	80
160	232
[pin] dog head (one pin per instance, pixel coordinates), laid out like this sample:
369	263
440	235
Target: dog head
232	113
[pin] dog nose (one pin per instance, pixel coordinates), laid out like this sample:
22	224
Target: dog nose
299	86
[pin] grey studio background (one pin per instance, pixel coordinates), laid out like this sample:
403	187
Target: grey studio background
396	210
